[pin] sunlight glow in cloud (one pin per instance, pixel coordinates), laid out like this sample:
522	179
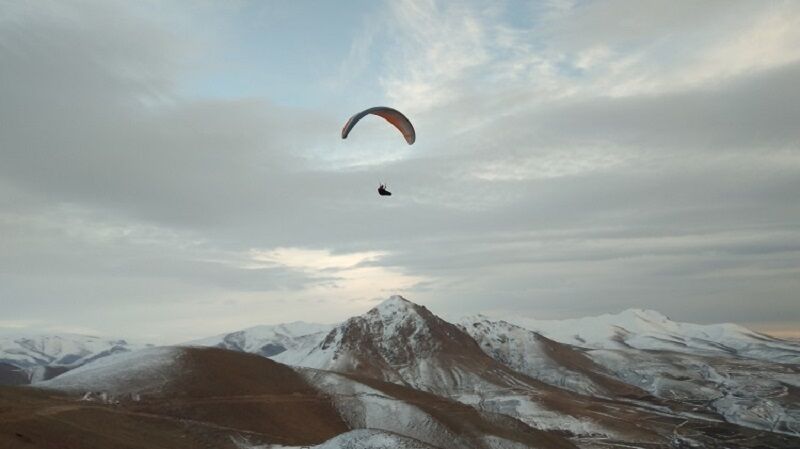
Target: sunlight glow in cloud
311	260
356	275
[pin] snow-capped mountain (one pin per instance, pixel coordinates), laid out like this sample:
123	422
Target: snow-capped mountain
402	342
269	340
635	379
554	363
641	349
651	330
41	356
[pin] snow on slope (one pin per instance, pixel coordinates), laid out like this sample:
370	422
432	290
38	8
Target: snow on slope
372	439
650	330
365	407
554	363
355	439
173	372
269	340
404	343
401	342
377	439
424	417
675	361
34	352
752	393
139	372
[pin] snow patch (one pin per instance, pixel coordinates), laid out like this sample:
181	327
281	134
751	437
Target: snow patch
32	351
365	407
651	330
355	439
141	372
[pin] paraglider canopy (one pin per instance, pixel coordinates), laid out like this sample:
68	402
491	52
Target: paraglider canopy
392	116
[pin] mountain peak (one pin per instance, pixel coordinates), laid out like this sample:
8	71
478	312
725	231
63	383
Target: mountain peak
393	305
645	314
401	342
395	299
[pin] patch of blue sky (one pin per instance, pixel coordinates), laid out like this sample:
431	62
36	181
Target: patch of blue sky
295	55
568	69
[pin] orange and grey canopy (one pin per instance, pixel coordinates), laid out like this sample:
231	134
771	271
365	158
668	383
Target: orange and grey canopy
392	116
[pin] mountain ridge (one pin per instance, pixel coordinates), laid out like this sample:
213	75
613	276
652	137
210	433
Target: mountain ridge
651	330
37	356
40	356
402	368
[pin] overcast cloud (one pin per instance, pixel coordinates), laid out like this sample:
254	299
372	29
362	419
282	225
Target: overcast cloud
174	170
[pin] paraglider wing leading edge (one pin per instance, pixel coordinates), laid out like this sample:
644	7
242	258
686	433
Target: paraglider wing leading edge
392	116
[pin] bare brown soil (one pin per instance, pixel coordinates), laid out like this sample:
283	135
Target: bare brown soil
217	394
31	418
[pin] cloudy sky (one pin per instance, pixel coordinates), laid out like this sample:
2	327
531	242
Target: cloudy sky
172	170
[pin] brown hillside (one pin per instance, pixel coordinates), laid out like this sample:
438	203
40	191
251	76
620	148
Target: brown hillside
248	392
213	394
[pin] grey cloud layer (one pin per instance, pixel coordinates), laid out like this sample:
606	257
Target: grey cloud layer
118	191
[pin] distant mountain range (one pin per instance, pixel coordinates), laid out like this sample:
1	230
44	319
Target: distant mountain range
409	379
31	357
268	340
651	330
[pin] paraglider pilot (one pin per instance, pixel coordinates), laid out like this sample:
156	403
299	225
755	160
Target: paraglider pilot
393	116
